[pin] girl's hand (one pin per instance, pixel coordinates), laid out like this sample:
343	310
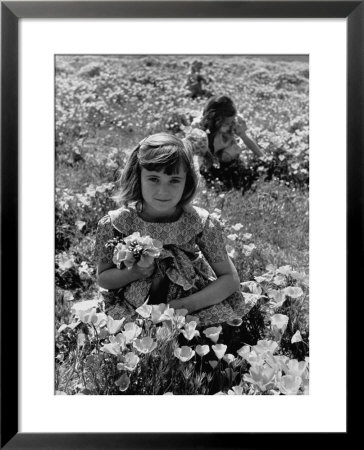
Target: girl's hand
240	125
141	273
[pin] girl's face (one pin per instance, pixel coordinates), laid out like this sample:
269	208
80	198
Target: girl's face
227	124
161	192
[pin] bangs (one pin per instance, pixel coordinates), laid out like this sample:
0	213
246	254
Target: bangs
168	159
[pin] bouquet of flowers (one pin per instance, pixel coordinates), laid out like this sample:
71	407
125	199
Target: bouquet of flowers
135	249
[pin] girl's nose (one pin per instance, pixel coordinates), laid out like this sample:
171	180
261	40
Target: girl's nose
162	189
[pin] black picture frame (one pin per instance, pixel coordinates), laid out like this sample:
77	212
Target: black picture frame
11	12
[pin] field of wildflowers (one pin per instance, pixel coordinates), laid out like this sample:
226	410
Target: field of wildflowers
104	106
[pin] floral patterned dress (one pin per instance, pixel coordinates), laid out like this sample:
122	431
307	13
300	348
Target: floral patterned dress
227	146
190	245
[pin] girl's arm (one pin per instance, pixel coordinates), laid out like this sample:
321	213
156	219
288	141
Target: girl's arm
110	277
226	284
252	145
240	129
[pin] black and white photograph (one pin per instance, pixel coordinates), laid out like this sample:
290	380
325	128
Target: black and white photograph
181	224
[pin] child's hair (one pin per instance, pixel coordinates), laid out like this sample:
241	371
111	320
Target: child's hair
196	66
218	108
158	152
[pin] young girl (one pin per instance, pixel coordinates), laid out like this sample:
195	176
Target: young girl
195	81
193	270
222	124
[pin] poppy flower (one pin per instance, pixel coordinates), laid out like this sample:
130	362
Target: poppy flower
219	350
161	312
250	355
279	362
296	337
276	297
231	251
244	351
213	333
136	249
184	353
248	248
179	321
118	339
84	307
145	345
131	331
123	382
261	376
265	346
190	331
229	358
88	316
114	326
145	310
293	291
237	227
295	368
164	332
111	348
289	384
130	361
213	364
190	318
202	350
279	324
123	254
235	390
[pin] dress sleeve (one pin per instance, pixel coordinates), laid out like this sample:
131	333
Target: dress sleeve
211	241
104	232
199	141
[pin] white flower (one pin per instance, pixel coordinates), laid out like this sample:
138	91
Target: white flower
145	310
219	350
114	326
235	390
190	330
116	345
130	361
289	384
296	368
131	331
184	353
136	249
202	350
229	358
296	337
164	332
237	227
161	312
145	345
213	333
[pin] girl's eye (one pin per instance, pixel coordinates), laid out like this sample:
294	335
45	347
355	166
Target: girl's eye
175	181
154	180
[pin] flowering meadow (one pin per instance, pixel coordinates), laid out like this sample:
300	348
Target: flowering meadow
103	107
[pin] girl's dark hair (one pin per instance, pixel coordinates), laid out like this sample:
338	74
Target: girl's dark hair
158	152
215	111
